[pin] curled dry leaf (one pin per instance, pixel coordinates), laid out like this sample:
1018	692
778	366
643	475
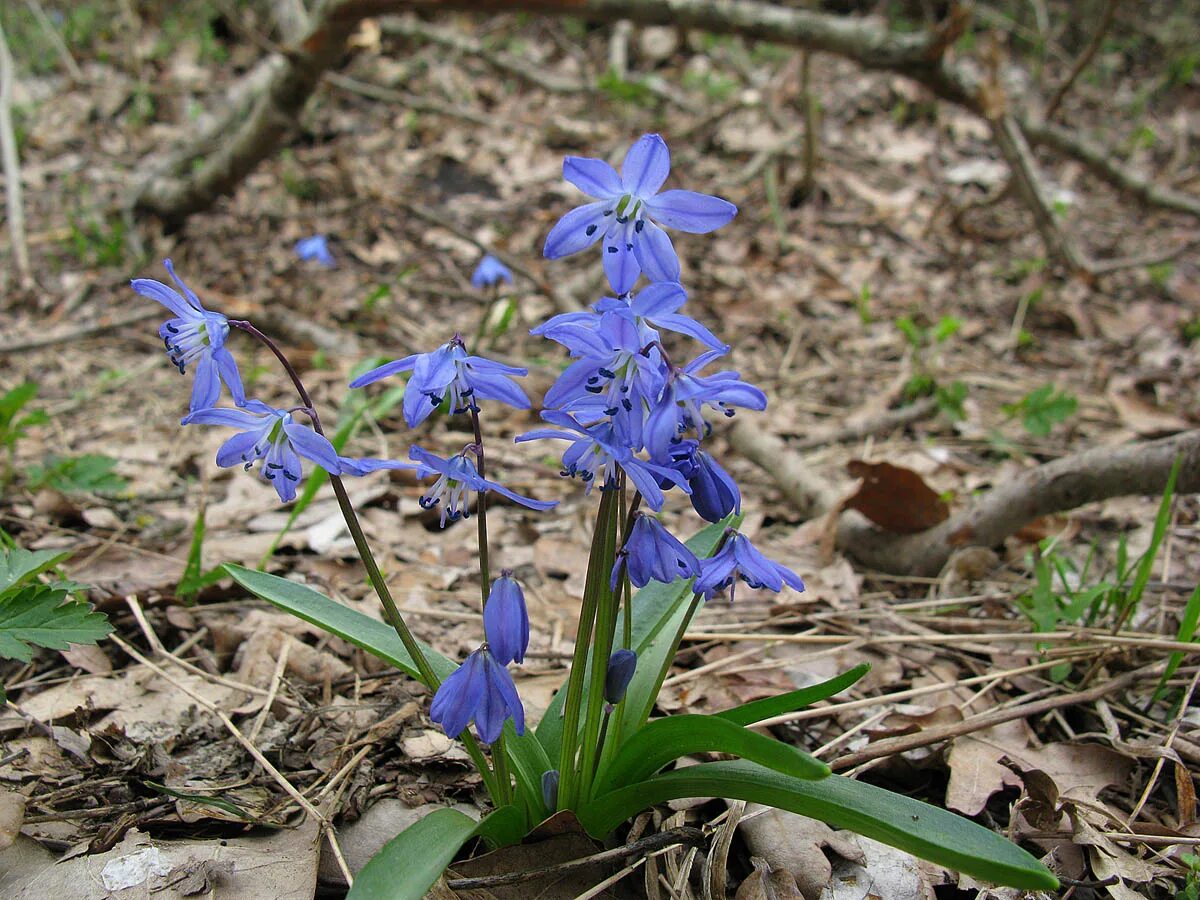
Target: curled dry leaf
894	498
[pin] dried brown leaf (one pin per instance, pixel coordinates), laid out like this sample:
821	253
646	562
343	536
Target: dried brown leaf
894	498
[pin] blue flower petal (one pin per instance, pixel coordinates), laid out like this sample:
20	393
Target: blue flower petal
621	264
657	254
577	230
381	372
646	166
206	389
690	211
594	177
169	298
312	446
658	299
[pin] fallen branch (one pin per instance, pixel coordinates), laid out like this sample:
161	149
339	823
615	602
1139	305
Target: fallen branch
1097	474
20	345
1084	58
810	493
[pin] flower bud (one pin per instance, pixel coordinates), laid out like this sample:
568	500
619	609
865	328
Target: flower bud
506	620
550	789
621	666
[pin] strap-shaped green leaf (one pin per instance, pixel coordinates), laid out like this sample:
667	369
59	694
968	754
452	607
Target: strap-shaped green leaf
757	710
527	755
920	829
360	630
663	740
413	860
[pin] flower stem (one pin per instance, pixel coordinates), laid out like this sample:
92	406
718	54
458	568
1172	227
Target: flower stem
485	577
392	613
596	582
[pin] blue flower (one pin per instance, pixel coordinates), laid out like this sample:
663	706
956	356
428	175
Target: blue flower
656	304
459	477
714	492
626	211
621	666
595	457
680	408
315	247
490	271
506	620
197	336
739	558
651	553
271	435
620	372
449	370
481	689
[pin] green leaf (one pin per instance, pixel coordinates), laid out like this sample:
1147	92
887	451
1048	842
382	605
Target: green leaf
769	707
360	630
37	615
18	565
920	829
1042	408
526	752
87	474
659	742
1186	633
409	864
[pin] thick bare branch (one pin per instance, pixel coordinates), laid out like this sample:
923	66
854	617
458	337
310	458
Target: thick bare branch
1096	474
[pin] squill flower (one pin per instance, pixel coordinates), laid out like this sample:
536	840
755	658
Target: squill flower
481	689
739	558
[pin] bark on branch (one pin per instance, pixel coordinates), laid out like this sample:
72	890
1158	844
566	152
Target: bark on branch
1097	474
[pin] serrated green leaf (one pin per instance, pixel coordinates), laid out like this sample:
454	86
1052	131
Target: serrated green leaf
926	831
37	615
769	707
664	740
409	864
18	565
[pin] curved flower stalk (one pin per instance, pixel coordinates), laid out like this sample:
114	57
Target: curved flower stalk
274	437
458	477
626	214
196	337
449	371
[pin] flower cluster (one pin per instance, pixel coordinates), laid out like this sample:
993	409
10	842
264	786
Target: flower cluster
623	404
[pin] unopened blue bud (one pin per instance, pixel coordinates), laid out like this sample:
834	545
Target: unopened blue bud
621	666
550	788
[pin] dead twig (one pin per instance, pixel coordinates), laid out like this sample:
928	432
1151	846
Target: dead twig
84	331
686	836
60	46
408	101
1084	58
11	165
905	742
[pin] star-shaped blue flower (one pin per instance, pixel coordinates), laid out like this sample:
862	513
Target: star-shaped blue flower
628	211
195	336
316	248
273	436
458	477
450	370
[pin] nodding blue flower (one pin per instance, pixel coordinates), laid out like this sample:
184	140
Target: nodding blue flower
626	211
316	248
651	553
506	620
197	336
481	689
739	558
458	477
656	304
273	436
680	408
714	492
621	666
449	370
490	271
596	458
